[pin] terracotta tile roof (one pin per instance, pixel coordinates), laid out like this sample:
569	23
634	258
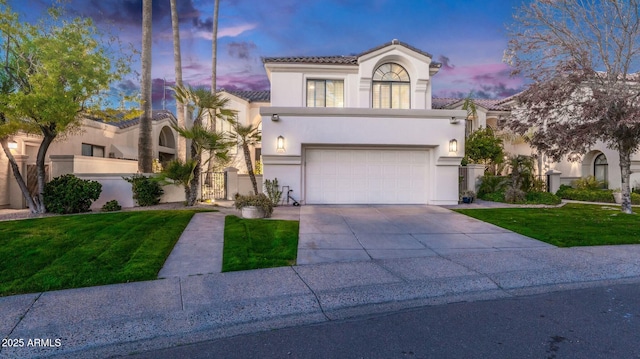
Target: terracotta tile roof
252	96
440	103
342	60
332	60
156	115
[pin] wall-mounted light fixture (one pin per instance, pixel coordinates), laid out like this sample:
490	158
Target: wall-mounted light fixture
454	120
574	157
13	145
453	145
275	117
280	144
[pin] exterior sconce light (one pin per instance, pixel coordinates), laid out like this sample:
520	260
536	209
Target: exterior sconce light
453	120
574	157
13	145
453	145
275	117
280	144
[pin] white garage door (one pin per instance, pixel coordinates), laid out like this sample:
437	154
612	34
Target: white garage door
359	176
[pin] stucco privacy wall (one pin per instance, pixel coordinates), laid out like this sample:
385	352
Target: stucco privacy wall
366	128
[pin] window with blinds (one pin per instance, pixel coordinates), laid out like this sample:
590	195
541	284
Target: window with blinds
391	87
325	93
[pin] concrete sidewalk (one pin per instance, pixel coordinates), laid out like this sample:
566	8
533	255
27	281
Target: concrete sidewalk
121	319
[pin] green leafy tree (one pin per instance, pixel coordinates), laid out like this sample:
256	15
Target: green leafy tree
246	135
52	75
205	104
483	147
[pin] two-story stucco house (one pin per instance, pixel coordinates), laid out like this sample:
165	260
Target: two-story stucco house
361	129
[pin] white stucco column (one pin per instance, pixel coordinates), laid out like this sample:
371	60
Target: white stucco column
474	173
553	178
231	174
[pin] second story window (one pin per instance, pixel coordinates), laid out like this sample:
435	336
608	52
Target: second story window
325	93
391	87
92	150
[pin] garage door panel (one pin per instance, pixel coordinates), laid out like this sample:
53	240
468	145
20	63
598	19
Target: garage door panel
366	176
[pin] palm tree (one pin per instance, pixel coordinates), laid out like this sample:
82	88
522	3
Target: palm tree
177	59
247	135
204	103
145	161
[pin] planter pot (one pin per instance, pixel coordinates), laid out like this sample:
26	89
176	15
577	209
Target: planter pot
617	196
252	212
467	199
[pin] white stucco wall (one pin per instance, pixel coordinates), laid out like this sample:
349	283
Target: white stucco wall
371	128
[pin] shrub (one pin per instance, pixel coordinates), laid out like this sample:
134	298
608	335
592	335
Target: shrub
589	183
635	198
514	195
493	196
70	194
146	191
492	184
536	197
585	194
273	191
111	206
258	200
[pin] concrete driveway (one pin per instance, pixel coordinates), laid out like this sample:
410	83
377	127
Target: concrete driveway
364	232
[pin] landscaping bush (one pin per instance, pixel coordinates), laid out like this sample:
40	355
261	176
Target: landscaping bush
111	206
514	195
542	198
589	183
273	191
257	200
635	198
492	184
494	197
70	194
588	195
146	191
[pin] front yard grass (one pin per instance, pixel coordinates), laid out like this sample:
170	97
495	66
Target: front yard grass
86	250
259	243
567	226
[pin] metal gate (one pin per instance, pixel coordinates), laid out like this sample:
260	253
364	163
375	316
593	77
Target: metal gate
463	178
213	185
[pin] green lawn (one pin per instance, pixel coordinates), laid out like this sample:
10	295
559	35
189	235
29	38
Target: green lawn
259	243
86	250
567	226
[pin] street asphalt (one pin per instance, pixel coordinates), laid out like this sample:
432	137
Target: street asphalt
352	261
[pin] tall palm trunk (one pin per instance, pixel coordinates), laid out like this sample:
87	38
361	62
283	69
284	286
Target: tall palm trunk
177	59
214	75
145	161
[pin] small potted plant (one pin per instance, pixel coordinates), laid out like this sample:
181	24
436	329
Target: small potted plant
468	196
254	205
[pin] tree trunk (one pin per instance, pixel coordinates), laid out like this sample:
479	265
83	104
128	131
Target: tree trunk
193	191
247	160
49	136
625	171
214	75
145	162
177	59
18	176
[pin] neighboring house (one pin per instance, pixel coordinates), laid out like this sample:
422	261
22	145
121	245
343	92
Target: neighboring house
247	104
361	129
599	161
98	147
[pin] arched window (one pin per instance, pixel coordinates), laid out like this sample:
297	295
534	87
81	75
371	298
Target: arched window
391	87
166	138
601	169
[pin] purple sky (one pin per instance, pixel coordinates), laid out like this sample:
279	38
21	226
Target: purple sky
468	37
